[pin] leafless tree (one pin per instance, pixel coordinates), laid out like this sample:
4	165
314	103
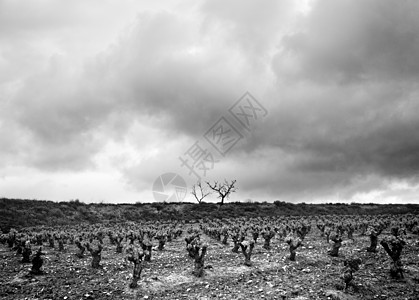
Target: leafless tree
199	192
223	189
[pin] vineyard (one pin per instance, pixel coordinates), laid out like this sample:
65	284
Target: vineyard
282	257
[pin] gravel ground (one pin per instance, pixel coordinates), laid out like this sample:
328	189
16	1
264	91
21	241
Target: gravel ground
314	275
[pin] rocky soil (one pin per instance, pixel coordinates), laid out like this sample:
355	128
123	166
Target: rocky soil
314	274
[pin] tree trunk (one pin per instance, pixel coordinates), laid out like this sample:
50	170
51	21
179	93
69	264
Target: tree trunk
199	262
136	275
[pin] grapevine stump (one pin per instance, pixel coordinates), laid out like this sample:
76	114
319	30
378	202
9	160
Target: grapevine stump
247	248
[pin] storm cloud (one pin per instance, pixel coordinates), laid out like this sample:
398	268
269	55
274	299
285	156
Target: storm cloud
95	94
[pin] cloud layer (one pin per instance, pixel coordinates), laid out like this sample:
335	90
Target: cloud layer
115	93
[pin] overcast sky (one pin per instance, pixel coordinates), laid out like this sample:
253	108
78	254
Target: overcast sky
99	98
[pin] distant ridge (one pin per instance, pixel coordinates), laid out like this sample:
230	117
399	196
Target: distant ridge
17	213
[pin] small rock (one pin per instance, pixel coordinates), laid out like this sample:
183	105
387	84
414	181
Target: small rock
338	295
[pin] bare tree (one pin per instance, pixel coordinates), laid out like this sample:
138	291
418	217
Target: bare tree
223	189
199	192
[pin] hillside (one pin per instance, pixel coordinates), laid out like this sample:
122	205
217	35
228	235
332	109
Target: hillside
16	213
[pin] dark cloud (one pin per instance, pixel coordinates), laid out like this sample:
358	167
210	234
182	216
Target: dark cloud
345	41
331	139
165	68
339	84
